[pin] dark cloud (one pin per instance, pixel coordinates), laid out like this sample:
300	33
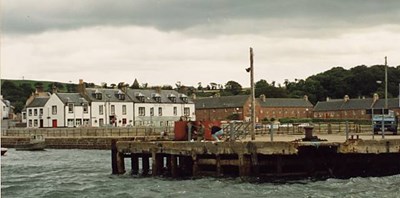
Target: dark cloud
29	16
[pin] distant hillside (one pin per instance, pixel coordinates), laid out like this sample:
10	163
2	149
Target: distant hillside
18	91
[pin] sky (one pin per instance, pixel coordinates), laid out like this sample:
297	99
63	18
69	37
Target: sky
163	42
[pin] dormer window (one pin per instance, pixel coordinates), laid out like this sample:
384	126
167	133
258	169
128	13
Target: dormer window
156	97
121	95
98	95
172	97
140	97
184	98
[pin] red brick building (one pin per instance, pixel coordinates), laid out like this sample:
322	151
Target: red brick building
222	108
347	108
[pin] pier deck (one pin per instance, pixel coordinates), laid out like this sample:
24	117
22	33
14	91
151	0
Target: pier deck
260	159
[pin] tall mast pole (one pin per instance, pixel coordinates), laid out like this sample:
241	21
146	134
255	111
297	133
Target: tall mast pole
386	84
253	103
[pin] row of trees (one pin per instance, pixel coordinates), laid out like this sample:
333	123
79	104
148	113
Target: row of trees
360	81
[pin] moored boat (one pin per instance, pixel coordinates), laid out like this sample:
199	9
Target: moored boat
36	143
3	151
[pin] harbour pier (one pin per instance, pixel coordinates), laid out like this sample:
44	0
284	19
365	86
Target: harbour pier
263	160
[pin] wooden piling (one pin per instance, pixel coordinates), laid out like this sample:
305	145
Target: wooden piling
195	166
114	157
134	164
173	165
157	163
146	165
218	166
120	163
244	165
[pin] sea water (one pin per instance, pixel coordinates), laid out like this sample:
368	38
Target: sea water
87	173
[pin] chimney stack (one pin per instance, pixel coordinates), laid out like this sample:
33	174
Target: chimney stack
194	97
375	98
305	97
54	89
263	98
81	87
346	98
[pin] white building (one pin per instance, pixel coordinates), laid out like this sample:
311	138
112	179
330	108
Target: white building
58	110
110	107
35	113
160	107
6	108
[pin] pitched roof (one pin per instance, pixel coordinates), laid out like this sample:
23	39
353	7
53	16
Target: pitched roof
340	104
150	94
108	95
221	102
285	102
75	98
38	102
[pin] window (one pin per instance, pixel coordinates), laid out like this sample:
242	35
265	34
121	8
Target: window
30	123
24	116
30	112
186	111
86	122
112	109
100	109
70	122
35	123
40	111
123	109
78	122
142	111
101	122
175	111
152	111
54	109
35	112
123	121
70	108
159	111
85	108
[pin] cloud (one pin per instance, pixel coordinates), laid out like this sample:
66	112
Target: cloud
294	17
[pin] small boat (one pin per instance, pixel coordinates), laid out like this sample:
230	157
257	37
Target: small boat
36	143
3	151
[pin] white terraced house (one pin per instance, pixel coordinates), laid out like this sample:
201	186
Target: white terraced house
160	107
110	107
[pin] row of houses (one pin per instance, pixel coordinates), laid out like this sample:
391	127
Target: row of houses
107	107
137	107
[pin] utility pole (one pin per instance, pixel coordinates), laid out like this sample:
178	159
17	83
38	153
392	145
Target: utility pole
386	101
253	103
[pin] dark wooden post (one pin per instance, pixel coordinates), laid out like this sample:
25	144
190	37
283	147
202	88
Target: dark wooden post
157	163
255	165
279	165
120	163
134	164
218	166
114	156
244	165
146	165
173	165
195	167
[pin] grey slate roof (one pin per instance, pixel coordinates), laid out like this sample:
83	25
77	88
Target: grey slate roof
108	95
352	104
75	98
149	95
38	102
285	102
221	102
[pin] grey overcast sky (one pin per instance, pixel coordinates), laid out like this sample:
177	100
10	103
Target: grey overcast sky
191	41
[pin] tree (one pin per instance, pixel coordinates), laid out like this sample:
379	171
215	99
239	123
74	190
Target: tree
135	84
233	87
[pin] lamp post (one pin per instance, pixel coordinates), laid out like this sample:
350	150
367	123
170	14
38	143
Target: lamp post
253	111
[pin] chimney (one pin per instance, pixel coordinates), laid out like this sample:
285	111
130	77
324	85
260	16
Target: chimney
263	98
194	96
327	99
346	98
39	89
158	89
124	88
81	87
305	97
54	89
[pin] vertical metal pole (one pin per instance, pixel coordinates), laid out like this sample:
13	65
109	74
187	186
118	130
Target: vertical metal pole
253	107
372	121
347	130
271	132
386	100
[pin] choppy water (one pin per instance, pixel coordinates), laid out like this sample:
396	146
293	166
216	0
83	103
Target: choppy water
86	173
